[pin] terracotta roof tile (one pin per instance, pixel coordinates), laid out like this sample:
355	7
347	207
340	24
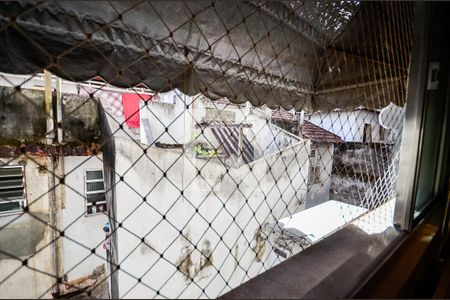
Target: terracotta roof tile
318	134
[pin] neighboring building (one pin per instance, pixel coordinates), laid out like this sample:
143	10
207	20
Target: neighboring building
35	206
360	125
321	153
161	186
321	162
169	201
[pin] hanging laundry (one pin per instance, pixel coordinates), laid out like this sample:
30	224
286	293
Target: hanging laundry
112	102
166	110
130	104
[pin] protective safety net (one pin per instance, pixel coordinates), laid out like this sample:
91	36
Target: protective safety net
177	149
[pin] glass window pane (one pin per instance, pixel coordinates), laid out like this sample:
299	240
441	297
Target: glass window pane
95	197
95	186
10	206
430	152
92	175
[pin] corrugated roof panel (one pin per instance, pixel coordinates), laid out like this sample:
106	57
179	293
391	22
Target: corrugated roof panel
228	137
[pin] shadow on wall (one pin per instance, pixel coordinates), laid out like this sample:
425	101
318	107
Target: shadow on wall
20	239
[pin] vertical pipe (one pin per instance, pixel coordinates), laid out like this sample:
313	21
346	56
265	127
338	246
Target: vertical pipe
53	218
48	108
52	199
59	109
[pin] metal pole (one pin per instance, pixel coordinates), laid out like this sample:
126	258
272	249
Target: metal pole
50	135
412	128
59	109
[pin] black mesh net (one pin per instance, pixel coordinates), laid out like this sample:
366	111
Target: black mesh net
178	149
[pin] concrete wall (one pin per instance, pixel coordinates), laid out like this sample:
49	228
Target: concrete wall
23	118
82	232
170	208
27	236
320	192
348	125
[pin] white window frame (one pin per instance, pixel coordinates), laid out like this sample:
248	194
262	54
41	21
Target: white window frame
23	200
86	193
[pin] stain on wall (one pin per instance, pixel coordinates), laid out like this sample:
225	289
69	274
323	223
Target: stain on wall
146	247
22	116
206	258
192	268
20	239
81	121
259	244
184	262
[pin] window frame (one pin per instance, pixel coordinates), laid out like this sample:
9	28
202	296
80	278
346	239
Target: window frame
86	192
425	51
24	194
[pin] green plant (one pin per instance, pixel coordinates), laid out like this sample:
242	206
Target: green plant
198	149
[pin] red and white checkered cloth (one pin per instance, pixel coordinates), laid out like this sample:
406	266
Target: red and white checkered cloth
113	100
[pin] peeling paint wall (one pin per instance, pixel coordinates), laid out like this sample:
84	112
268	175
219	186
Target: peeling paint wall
80	119
27	236
23	118
185	252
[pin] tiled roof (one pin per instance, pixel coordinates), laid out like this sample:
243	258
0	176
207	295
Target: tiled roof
282	114
318	134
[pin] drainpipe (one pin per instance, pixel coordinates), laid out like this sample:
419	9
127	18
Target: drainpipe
54	224
59	109
52	199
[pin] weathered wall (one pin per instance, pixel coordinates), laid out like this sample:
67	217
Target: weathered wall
361	161
144	220
28	236
80	119
82	232
23	118
320	192
356	166
349	190
290	126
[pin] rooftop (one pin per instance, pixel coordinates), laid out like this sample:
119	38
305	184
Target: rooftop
318	134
